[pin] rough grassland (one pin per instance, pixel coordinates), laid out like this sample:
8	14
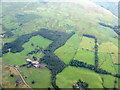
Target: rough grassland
87	43
41	77
115	58
66	52
108	47
70	75
8	81
19	58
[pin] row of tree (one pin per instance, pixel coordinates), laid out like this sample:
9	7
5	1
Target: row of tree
16	45
115	28
77	63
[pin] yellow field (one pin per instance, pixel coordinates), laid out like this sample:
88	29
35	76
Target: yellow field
115	58
108	47
87	43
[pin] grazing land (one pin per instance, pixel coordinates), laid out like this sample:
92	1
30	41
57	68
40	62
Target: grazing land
36	78
59	45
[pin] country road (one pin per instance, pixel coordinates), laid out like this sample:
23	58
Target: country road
19	75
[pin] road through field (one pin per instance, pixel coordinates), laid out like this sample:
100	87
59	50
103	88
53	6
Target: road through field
19	75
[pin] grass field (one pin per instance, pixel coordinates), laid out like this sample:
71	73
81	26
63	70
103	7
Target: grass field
70	75
41	77
115	58
66	52
87	43
8	81
105	62
108	47
19	58
118	83
117	68
81	18
108	81
85	56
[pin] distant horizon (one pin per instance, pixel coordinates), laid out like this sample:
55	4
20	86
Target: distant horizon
56	0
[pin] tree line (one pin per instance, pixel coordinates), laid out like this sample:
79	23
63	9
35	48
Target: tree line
95	47
76	63
115	28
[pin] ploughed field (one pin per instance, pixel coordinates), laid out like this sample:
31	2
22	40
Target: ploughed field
70	45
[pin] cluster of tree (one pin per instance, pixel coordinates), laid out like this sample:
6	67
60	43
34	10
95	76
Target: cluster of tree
115	28
53	63
16	46
11	75
34	58
77	63
80	84
35	51
8	34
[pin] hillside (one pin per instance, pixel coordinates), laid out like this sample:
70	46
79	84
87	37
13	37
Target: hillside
60	38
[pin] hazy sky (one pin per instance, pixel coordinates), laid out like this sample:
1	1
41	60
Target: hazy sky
53	0
19	0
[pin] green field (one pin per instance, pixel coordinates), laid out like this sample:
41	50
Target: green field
19	58
70	75
117	68
66	52
41	77
79	17
105	62
85	56
108	81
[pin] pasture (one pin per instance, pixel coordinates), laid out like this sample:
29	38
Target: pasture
115	58
10	81
105	62
67	52
107	47
87	43
19	58
35	77
70	75
108	81
85	56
